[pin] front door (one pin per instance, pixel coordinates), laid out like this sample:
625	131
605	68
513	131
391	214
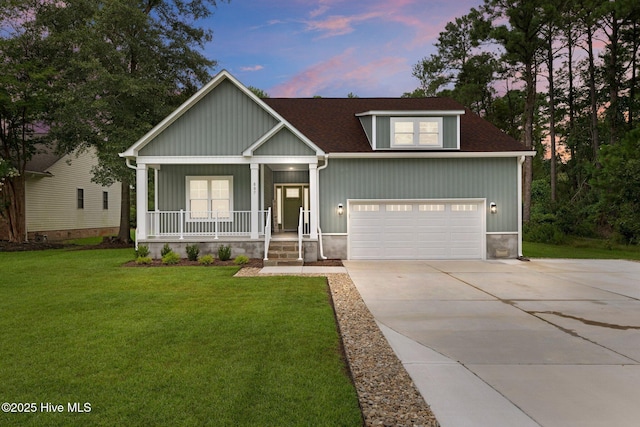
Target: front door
291	207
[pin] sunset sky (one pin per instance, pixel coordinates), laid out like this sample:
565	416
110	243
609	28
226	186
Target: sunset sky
302	48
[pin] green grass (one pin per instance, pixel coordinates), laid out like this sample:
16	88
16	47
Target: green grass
168	345
583	249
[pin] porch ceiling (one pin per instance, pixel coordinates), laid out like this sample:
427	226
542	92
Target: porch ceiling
288	167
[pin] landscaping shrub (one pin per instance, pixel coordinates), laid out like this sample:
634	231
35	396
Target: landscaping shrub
241	260
224	253
192	252
143	251
144	260
171	258
206	259
165	250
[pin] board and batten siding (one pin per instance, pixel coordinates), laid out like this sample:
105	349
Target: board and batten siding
172	194
383	131
225	122
464	178
284	143
52	202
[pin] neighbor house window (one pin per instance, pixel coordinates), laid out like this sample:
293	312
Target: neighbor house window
105	200
209	197
80	198
416	132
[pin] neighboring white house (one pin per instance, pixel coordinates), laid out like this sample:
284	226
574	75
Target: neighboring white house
63	203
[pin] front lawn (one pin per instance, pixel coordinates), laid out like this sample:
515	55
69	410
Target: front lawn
166	346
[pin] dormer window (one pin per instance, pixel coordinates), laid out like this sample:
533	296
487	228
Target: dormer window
416	132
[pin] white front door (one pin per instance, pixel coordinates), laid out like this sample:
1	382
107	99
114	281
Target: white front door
416	229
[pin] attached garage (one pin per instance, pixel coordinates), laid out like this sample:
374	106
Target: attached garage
416	229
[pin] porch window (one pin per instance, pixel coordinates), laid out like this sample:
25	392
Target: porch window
416	132
209	197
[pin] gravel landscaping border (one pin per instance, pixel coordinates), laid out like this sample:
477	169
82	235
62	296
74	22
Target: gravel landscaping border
387	395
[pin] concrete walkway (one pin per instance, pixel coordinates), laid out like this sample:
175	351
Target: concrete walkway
509	343
303	270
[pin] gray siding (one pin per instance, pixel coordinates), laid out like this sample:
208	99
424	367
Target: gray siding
493	179
291	177
449	137
284	143
268	187
225	122
172	184
366	121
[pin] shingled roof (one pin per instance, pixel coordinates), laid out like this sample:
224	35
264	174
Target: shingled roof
331	123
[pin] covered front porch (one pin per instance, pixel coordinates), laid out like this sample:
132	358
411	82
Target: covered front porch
282	202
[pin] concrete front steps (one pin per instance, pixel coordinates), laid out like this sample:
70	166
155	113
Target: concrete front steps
283	253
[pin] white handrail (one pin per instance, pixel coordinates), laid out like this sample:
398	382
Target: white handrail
320	243
267	235
300	230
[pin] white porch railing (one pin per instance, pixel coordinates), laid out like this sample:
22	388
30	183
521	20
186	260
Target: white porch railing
267	235
303	229
214	224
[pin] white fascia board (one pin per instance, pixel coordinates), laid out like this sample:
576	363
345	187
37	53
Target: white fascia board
221	160
193	160
284	160
431	155
411	113
264	138
132	151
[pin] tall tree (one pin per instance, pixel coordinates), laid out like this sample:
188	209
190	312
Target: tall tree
522	42
25	78
125	65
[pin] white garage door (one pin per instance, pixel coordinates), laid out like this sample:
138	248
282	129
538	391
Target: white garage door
416	230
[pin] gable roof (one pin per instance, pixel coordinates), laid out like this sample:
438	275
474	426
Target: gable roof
42	160
333	125
202	93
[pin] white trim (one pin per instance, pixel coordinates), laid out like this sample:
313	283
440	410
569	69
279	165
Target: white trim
208	178
411	113
219	78
249	151
435	154
416	121
501	232
374	132
223	160
519	185
458	138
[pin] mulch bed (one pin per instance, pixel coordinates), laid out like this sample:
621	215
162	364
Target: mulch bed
107	243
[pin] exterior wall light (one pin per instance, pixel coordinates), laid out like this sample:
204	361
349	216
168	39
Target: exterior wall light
493	208
340	209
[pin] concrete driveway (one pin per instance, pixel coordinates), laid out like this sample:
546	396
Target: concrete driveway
511	343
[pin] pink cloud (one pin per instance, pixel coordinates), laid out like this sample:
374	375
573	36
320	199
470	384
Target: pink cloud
252	68
341	71
338	25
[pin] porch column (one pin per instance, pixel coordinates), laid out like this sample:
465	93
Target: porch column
255	200
141	201
313	200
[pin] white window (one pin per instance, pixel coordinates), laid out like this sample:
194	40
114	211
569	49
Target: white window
365	208
209	197
416	132
464	208
432	208
399	208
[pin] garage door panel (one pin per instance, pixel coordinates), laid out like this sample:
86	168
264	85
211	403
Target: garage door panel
416	230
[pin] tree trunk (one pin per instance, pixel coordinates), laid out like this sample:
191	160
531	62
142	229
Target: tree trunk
15	213
592	94
552	118
124	233
529	110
